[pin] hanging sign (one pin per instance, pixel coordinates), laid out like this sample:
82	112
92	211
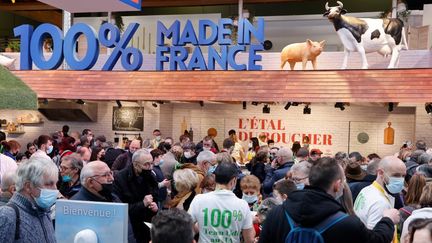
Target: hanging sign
209	33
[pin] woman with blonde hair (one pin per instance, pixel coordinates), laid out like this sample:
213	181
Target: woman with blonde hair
185	181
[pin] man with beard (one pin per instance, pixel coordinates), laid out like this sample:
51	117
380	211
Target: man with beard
97	185
137	186
125	159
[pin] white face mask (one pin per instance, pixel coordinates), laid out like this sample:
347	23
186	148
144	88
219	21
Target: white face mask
363	167
250	198
188	155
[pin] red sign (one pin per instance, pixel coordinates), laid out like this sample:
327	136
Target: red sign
274	129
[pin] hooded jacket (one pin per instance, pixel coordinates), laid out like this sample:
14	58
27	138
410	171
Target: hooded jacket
311	206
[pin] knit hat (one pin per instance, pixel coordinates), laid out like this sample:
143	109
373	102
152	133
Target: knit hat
354	172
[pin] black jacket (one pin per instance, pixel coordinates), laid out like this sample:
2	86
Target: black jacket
132	189
311	206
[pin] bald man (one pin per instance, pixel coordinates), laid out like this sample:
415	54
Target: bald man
97	185
374	199
125	159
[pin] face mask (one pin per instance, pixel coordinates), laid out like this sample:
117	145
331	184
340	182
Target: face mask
160	162
250	145
250	198
211	170
66	178
395	184
300	186
206	149
50	149
363	167
95	144
107	189
158	138
146	174
188	155
102	158
47	198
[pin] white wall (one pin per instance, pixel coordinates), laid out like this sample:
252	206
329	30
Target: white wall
342	126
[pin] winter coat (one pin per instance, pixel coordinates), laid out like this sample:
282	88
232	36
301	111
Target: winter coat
311	206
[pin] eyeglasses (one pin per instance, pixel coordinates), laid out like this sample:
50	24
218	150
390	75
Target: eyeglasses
107	174
63	168
297	180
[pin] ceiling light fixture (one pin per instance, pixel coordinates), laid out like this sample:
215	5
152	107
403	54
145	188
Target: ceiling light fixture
287	106
80	101
266	109
244	105
340	105
119	104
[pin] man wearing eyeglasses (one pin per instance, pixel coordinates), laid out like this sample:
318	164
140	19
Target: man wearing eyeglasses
137	186
97	185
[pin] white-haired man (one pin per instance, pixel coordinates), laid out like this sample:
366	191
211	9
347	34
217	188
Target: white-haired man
279	168
206	162
97	185
36	193
7	187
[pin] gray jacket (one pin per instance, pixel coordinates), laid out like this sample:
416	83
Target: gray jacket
35	224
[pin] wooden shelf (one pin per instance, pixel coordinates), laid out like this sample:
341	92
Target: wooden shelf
16	132
30	123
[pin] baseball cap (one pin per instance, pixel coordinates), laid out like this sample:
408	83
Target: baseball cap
315	151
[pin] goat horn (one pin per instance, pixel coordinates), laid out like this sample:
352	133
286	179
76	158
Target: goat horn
327	6
340	4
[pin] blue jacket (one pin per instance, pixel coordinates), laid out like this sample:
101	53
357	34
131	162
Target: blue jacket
274	175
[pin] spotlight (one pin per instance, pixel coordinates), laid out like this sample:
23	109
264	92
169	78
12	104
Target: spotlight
80	101
340	105
154	104
266	109
295	104
45	101
244	105
390	106
119	104
428	108
254	103
201	103
307	110
287	106
160	102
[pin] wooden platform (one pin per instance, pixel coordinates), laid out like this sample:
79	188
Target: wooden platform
381	85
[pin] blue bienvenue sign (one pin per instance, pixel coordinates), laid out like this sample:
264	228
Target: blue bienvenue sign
108	222
209	33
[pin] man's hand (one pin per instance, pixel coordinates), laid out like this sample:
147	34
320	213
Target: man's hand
393	214
148	199
153	207
166	183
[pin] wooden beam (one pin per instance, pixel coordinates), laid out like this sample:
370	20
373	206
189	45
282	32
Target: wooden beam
184	3
53	17
389	85
26	6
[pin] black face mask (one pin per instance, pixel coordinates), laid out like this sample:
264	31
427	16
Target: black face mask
107	189
146	173
102	158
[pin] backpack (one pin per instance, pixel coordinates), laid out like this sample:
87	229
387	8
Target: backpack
300	234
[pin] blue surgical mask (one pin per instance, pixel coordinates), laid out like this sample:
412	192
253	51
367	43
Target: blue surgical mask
161	162
250	198
66	178
211	170
47	198
50	149
300	186
395	184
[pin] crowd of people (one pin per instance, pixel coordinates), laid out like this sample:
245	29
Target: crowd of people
205	193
